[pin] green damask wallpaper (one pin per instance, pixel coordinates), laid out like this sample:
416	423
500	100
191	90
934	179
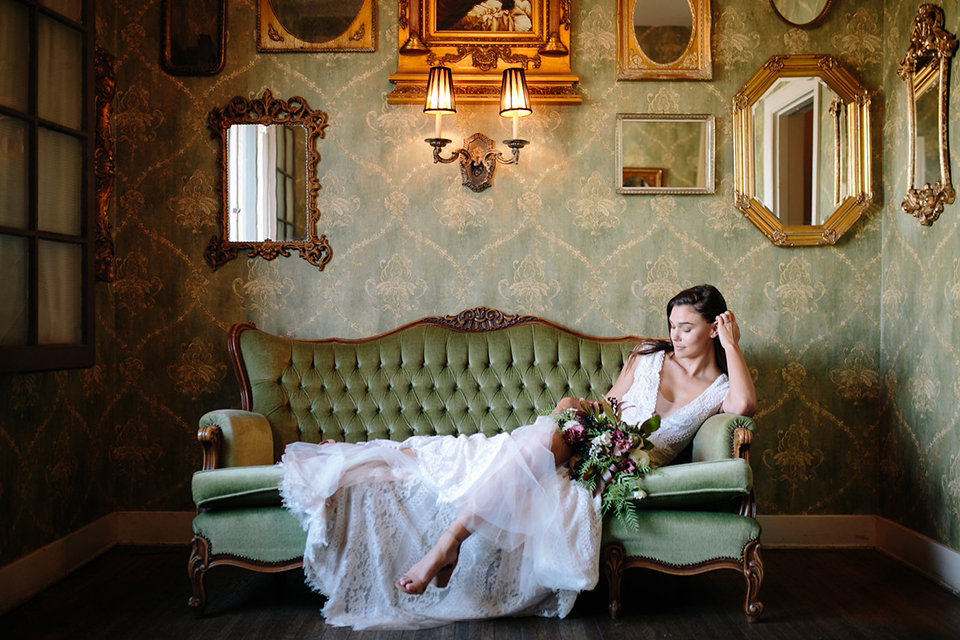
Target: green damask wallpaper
852	344
919	448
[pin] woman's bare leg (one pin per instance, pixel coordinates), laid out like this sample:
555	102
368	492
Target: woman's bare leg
438	563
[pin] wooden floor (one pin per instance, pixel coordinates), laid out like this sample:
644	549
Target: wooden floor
141	592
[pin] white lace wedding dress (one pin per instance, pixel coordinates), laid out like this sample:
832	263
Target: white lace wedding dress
371	510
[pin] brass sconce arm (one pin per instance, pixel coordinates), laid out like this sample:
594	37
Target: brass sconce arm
478	158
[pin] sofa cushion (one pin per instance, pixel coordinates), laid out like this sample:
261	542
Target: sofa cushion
264	534
696	484
237	487
675	486
683	538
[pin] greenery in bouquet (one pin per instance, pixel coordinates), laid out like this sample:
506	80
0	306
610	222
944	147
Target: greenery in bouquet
609	455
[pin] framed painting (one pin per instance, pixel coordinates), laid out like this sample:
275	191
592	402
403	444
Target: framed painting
642	177
193	37
316	25
478	40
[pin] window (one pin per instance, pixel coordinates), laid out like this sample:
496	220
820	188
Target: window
47	184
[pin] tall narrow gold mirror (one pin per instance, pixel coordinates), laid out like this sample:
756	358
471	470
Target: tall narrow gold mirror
926	72
663	40
268	180
801	147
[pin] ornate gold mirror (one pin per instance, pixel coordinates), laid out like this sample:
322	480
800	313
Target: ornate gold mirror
316	25
926	71
268	180
665	153
663	40
801	13
801	148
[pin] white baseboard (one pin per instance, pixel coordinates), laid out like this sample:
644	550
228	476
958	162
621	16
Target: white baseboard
155	527
811	532
30	575
939	563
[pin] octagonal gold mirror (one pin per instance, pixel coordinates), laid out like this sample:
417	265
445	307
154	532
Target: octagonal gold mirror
801	148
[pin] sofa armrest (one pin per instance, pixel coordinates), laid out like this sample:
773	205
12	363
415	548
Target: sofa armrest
234	438
723	436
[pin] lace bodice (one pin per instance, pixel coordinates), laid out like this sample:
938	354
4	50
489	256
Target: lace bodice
676	430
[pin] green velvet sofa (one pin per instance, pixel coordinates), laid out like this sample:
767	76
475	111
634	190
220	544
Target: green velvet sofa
478	371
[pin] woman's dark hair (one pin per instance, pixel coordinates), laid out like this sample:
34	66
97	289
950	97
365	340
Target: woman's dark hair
705	300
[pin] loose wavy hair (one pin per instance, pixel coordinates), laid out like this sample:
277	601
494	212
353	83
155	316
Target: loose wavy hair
706	300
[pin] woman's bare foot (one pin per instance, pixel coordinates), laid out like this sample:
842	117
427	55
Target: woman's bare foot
436	566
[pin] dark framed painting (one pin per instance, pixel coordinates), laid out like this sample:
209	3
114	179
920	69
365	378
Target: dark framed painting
193	37
478	40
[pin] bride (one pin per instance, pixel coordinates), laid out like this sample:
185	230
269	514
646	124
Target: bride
512	533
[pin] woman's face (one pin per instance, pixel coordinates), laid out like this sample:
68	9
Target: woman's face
690	333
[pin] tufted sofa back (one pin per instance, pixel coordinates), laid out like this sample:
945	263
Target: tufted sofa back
479	371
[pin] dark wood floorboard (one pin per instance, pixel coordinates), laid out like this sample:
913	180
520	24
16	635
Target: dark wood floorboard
141	593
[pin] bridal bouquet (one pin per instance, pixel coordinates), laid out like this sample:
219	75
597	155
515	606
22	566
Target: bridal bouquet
609	454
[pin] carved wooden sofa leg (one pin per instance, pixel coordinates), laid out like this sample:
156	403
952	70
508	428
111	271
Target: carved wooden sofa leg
197	570
612	559
753	572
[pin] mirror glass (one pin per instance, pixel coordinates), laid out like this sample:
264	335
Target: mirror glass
801	150
663	28
269	151
266	182
316	20
927	159
661	153
801	13
798	142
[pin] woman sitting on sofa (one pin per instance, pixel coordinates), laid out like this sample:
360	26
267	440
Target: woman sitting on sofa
539	532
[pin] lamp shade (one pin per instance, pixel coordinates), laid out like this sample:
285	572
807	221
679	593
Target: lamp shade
440	98
514	96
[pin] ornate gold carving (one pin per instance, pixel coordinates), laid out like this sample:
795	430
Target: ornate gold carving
926	67
104	166
926	203
484	58
265	111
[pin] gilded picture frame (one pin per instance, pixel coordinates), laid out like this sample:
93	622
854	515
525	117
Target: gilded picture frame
694	63
533	34
274	35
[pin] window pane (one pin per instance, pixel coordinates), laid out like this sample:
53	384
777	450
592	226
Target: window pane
61	170
14	142
14	312
61	76
14	54
72	9
59	271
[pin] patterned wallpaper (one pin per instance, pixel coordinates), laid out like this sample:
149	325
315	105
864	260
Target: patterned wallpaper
851	344
919	448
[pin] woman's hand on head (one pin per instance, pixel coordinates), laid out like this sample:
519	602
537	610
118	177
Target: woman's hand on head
728	330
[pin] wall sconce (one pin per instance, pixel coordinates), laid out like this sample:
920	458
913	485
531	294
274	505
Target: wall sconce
478	157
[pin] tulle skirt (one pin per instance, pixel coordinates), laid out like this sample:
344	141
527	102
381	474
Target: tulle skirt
371	510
